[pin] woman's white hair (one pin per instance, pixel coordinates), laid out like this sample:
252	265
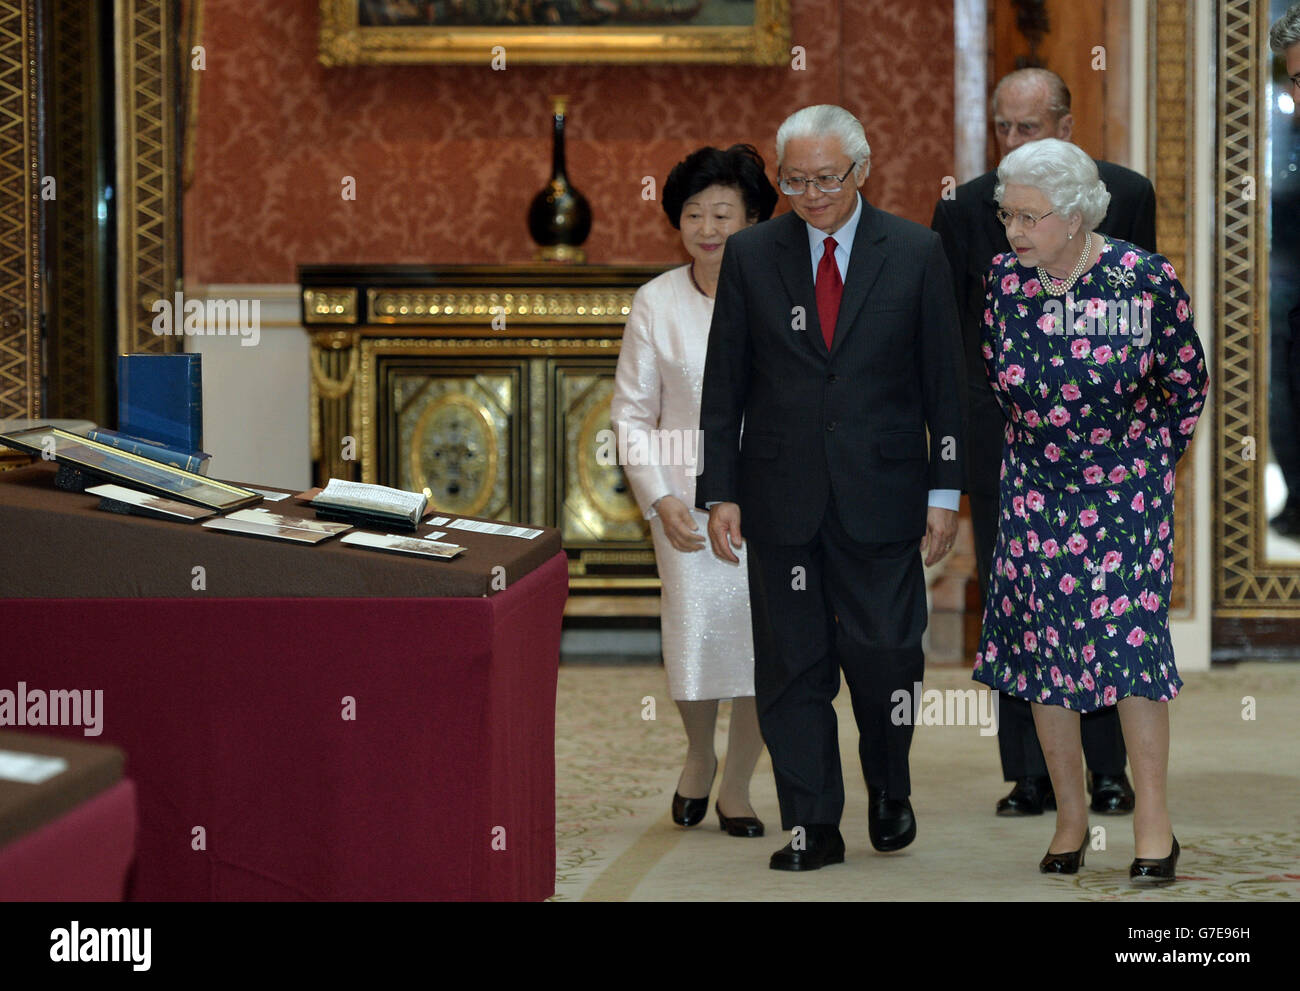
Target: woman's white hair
1285	31
1061	171
827	120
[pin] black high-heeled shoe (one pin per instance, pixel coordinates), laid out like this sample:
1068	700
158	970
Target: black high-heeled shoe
691	811
1148	870
1068	862
740	825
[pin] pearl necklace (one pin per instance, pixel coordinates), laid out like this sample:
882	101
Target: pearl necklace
1056	287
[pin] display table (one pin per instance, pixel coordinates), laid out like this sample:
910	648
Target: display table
348	738
67	834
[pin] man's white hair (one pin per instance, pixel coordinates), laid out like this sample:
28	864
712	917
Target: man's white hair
1061	171
827	120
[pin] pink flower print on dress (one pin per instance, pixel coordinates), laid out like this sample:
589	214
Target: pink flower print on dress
1109	696
1067	584
1088	517
1099	605
1136	637
1077	543
1070	391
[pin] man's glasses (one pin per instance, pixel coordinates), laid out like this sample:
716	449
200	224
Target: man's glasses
826	183
1027	220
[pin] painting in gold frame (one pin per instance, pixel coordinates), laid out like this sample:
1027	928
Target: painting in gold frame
370	32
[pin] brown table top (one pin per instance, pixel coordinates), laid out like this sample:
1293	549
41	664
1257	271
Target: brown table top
58	544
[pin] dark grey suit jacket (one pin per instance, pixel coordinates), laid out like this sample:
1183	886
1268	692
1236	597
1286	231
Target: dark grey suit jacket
851	421
972	235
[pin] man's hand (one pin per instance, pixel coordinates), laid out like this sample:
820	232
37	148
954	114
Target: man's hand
679	526
940	532
724	530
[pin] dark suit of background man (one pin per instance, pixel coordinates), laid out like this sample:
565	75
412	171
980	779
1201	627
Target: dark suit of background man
837	355
1028	105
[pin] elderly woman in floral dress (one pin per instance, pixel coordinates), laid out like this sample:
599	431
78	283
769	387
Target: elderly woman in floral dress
1090	347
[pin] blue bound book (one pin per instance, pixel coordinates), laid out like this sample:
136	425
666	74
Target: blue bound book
160	399
185	460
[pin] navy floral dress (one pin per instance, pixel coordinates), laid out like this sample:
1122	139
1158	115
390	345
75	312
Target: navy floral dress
1102	389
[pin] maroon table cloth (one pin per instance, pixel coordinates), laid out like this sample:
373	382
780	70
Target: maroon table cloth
337	744
82	856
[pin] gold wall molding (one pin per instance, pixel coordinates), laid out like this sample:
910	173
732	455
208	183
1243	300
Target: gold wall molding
1246	585
1170	51
20	286
147	169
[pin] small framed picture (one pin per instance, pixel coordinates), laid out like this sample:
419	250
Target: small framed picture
113	465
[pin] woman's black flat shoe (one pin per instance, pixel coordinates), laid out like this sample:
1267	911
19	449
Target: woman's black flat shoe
1065	863
1146	870
739	826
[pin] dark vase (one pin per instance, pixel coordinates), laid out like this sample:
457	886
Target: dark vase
559	218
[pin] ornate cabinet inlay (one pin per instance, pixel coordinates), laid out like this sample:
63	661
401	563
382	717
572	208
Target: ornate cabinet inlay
488	386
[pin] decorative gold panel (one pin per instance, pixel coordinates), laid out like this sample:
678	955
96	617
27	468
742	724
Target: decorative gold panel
596	504
329	306
1172	48
147	170
20	288
1245	584
398	306
452	435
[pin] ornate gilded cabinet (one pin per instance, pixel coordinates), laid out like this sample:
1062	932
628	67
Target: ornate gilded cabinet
489	386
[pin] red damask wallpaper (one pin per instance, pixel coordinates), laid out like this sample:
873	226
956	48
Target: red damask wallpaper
447	158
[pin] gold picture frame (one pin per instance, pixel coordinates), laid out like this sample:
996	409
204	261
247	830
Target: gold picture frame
345	40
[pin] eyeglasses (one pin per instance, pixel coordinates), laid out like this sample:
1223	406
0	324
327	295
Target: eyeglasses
1027	220
796	185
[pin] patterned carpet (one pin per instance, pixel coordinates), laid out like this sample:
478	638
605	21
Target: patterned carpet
1233	782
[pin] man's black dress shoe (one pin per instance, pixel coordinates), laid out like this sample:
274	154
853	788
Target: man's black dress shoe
1111	794
1065	863
1145	870
890	821
1028	798
822	845
740	825
691	811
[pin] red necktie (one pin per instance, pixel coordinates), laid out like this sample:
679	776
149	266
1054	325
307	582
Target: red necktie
830	287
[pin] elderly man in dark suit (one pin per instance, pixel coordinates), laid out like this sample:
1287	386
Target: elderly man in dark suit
1028	105
835	344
